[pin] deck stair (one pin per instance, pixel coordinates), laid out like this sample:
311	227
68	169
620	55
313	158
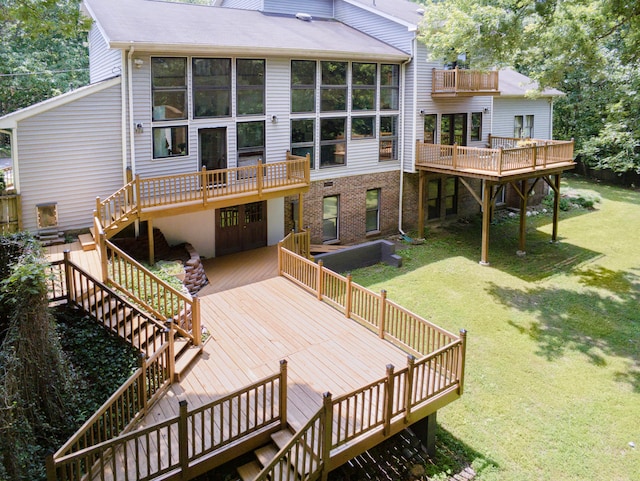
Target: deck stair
87	242
264	455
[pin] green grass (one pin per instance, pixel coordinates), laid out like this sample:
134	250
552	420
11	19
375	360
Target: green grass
552	387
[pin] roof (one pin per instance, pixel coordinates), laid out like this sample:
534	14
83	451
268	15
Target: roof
514	84
10	121
157	26
405	10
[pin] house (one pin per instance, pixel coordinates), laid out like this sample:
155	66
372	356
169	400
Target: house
177	88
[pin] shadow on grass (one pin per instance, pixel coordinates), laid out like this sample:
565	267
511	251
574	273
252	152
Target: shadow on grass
602	320
401	458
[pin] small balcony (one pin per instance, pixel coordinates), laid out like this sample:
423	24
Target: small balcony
464	83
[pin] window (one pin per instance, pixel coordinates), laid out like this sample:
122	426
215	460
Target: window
363	86
450	195
430	122
302	137
363	127
250	137
389	137
330	218
453	129
169	142
373	210
47	215
333	93
528	126
303	86
433	199
250	86
333	143
211	87
169	88
439	191
389	87
476	126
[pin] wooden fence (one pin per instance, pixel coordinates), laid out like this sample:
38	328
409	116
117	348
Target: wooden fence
10	214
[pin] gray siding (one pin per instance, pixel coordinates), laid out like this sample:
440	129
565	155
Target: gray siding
243	4
70	155
505	109
103	62
317	8
381	28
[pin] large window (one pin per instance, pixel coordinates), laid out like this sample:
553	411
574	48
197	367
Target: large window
430	123
169	141
476	126
211	87
453	129
363	86
528	126
250	86
250	137
333	96
523	126
302	137
441	191
389	137
333	144
169	88
373	210
389	87
303	86
330	218
363	127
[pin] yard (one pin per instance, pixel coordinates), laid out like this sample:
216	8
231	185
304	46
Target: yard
552	387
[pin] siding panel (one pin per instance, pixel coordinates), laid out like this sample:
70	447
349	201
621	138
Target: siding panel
104	63
70	155
318	8
505	109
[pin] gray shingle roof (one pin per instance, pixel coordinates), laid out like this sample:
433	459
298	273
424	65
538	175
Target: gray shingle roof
404	10
163	26
514	84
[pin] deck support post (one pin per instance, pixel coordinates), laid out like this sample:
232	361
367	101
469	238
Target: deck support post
327	434
152	260
382	313
425	430
50	466
283	394
196	328
524	195
68	278
300	213
421	204
486	220
461	360
556	207
388	400
183	440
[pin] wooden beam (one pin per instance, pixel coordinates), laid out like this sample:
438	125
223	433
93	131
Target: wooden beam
420	204
300	212
152	260
471	191
523	217
556	207
486	222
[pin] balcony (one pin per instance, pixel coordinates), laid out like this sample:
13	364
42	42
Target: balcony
464	83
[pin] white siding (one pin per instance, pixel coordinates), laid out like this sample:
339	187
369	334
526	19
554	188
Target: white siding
103	62
317	8
277	135
378	27
505	109
243	4
198	229
70	155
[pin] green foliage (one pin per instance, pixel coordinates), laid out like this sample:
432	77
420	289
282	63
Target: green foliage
43	51
573	198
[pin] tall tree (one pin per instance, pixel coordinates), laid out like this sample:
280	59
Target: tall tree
43	51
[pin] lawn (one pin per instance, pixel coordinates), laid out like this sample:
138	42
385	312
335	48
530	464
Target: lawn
552	389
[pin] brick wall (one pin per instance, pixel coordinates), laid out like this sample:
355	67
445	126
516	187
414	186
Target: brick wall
352	216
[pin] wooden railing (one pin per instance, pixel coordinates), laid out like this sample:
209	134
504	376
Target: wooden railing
298	242
181	442
534	155
118	209
7	173
152	293
462	81
391	401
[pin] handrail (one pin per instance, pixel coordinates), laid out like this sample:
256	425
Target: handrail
127	456
152	293
118	206
463	80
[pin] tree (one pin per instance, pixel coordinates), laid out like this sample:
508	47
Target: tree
43	51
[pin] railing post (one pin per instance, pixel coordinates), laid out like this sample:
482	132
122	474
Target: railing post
433	80
454	159
196	327
98	213
279	258
307	169
408	388
259	177
500	152
104	262
455	79
320	279
142	384
347	301
327	433
68	278
283	394
183	437
172	355
137	191
203	185
535	156
50	466
461	360
489	141
388	400
382	313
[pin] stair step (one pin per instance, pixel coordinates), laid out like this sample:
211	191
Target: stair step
266	453
87	242
249	471
282	437
186	358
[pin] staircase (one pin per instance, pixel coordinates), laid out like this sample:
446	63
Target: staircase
264	455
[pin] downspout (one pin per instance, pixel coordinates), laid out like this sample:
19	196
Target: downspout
403	116
551	118
130	123
123	121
